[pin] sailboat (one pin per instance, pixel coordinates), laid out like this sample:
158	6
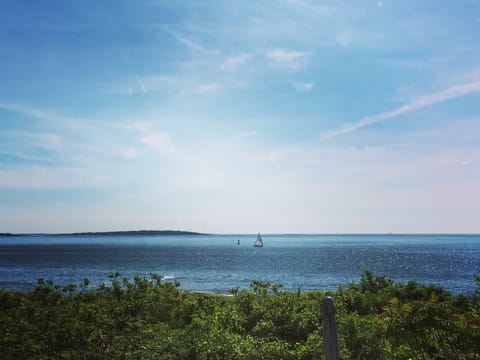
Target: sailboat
259	241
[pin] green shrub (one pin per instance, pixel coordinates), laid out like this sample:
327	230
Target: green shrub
146	318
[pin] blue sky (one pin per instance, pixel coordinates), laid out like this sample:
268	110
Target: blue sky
237	117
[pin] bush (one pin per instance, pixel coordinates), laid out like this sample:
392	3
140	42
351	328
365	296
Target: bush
151	319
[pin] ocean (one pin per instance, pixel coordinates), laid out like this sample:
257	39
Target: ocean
216	263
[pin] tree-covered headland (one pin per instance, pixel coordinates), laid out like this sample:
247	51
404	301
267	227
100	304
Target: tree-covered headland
151	319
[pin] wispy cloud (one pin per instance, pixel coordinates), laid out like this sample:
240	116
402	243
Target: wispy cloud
344	37
233	63
160	82
39	177
303	86
246	134
192	45
207	88
128	153
126	87
159	142
40	114
315	9
26	157
43	140
142	85
422	102
286	57
191	81
26	111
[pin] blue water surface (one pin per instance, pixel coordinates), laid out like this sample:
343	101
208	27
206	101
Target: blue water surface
215	263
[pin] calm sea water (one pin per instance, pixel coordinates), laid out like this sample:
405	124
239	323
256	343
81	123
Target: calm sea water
215	263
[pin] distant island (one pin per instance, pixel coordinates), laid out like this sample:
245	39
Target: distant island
139	232
118	233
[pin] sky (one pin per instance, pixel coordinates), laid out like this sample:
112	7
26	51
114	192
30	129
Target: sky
286	116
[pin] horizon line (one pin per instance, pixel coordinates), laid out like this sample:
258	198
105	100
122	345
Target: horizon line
189	232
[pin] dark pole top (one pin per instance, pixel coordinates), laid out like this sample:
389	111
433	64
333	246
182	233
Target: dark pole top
327	306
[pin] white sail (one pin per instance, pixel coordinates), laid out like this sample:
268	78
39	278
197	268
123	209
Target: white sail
259	241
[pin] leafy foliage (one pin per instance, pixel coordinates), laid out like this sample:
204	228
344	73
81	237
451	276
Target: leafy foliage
151	319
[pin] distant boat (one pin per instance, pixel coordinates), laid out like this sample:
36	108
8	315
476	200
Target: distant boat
259	241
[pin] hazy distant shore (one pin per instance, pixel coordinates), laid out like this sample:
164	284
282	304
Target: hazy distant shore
116	233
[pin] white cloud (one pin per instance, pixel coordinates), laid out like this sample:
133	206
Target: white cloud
26	156
207	88
280	154
344	38
40	114
43	140
303	86
233	63
285	57
315	8
142	85
160	82
38	177
247	134
26	111
129	153
192	80
192	45
141	126
126	87
317	182
160	142
419	103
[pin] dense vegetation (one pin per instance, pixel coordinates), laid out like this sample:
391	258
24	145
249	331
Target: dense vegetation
150	319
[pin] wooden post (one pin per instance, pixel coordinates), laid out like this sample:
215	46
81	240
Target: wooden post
331	349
